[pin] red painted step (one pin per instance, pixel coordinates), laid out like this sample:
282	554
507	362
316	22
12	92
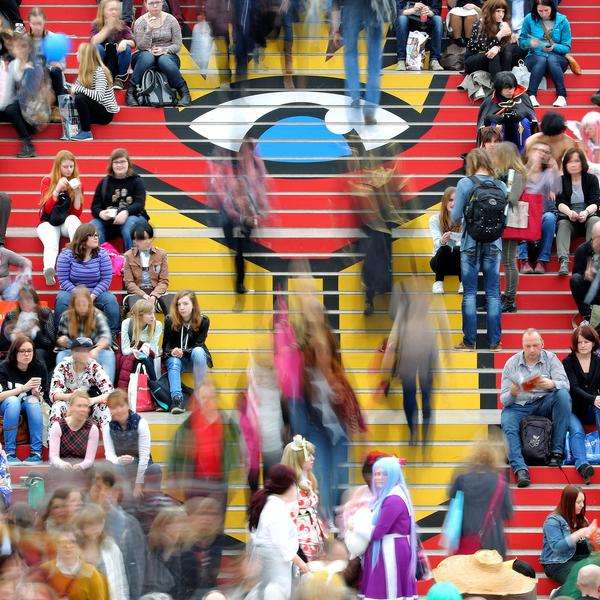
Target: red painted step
522	321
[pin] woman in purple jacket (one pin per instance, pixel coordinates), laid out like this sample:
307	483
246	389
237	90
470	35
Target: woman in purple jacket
83	262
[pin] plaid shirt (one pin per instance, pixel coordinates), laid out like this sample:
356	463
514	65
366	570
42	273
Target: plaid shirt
65	380
73	444
100	330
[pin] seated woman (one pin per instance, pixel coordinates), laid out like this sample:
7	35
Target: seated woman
119	200
113	40
61	206
446	243
73	439
140	340
19	72
83	262
82	319
24	380
93	92
542	178
80	373
546	36
509	109
461	18
577	204
34	321
567	535
184	344
146	271
127	442
158	39
492	47
582	366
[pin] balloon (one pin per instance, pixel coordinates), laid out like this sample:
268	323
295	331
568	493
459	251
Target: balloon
56	46
444	590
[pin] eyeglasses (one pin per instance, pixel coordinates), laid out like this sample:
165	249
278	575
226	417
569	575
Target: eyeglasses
25	352
124	161
93	235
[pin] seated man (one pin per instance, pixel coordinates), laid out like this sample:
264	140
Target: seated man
588	581
549	397
553	127
585	280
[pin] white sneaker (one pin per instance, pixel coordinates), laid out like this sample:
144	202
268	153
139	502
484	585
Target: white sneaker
434	65
534	101
560	102
438	287
401	66
460	288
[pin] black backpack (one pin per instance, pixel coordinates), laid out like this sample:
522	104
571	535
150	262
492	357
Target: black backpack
536	437
485	210
154	90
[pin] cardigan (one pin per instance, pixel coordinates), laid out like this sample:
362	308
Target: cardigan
589	185
584	386
95	273
167	36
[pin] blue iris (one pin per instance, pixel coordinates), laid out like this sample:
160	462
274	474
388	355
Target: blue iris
316	143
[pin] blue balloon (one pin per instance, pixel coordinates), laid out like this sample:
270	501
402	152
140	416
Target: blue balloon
56	46
444	590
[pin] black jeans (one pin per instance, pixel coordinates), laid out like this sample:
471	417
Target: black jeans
560	571
91	112
446	261
58	81
239	245
12	114
5	207
505	60
579	290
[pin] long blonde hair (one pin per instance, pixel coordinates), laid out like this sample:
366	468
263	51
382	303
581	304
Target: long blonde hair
445	223
99	21
89	62
506	156
295	455
55	174
138	310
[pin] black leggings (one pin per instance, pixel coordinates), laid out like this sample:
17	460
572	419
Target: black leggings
240	246
446	261
13	115
505	60
91	112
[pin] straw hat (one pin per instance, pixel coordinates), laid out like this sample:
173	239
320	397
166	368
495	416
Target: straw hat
483	573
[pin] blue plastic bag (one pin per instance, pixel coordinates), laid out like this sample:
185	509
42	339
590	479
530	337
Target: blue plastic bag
592	447
452	529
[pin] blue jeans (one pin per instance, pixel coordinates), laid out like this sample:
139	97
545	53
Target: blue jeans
10	409
358	15
435	28
106	230
555	406
123	59
545	244
106	302
195	362
166	63
554	66
106	358
484	258
577	441
330	465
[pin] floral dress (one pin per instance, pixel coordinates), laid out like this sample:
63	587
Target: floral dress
311	533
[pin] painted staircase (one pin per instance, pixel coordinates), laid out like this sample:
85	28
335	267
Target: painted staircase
313	218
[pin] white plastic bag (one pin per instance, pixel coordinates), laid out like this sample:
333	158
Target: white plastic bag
521	72
415	50
202	46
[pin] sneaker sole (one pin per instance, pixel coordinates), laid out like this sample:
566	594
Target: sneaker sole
177	411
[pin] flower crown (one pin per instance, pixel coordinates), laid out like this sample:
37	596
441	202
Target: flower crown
298	444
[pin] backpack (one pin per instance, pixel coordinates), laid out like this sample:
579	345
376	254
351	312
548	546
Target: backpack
536	437
154	90
485	211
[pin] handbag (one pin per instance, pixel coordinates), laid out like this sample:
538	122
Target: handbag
116	260
60	210
469	544
415	50
521	72
453	58
452	527
533	215
154	90
138	393
68	115
161	393
423	568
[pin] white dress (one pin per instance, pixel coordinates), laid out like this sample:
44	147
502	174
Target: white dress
274	544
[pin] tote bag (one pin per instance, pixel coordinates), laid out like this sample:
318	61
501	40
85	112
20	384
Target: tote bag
452	527
138	393
526	226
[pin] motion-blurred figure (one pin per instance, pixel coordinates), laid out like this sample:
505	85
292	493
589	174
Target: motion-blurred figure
219	15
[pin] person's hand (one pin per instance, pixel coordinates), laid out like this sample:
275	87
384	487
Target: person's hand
514	38
63	341
548	48
68	466
597	402
582	216
77	467
177	352
94	353
153	22
121	217
534	42
138	490
515	389
122	46
492	52
573	215
126	459
61	184
157	51
544	383
93	296
104	214
504	30
145	349
446	237
589	272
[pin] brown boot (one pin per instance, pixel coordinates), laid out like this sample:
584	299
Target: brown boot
55	115
288	80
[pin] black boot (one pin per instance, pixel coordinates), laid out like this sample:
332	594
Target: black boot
586	471
556	460
184	93
131	97
523	478
27	150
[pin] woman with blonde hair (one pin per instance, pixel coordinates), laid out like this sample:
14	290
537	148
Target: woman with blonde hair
113	40
82	319
184	344
94	96
512	171
299	455
487	498
61	204
100	550
446	243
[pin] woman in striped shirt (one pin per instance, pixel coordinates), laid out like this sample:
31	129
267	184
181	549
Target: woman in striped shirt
93	92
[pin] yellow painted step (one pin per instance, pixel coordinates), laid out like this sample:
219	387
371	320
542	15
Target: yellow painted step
356	301
365	360
217	282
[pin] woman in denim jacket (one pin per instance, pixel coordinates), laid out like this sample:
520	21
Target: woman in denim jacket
566	535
